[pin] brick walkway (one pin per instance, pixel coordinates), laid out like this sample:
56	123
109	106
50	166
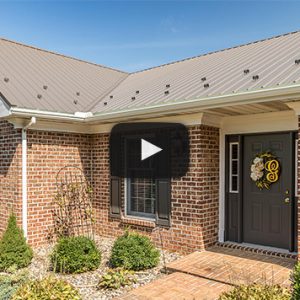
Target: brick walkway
204	275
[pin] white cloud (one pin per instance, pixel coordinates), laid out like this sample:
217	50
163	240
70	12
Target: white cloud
170	25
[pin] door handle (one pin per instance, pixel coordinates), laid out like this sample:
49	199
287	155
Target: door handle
287	200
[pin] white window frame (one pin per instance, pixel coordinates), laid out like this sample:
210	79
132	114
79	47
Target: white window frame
131	214
230	167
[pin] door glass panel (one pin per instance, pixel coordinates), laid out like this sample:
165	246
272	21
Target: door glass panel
233	167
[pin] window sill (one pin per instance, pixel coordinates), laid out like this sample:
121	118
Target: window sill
138	222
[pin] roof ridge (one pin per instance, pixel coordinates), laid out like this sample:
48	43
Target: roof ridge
62	55
216	51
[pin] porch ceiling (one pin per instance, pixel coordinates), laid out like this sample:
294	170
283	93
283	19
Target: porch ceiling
248	109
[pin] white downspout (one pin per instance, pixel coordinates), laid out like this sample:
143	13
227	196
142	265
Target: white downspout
24	175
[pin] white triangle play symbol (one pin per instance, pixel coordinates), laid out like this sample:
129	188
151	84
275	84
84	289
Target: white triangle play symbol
148	149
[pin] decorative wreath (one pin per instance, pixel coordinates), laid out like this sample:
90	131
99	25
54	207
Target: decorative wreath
265	170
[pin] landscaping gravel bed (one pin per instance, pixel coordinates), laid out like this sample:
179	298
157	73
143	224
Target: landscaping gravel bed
87	282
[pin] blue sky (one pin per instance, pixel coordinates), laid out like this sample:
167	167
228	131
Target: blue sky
134	35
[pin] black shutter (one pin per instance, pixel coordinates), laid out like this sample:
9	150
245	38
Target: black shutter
163	202
115	197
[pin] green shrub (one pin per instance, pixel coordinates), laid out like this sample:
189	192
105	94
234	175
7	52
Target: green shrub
257	292
296	281
75	255
116	278
10	283
14	251
133	251
48	288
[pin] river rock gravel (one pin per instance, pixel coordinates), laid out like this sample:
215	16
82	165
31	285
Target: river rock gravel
87	282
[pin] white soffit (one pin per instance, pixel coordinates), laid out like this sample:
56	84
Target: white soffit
295	106
259	123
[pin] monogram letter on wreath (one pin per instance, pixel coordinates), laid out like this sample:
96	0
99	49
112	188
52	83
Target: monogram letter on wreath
265	170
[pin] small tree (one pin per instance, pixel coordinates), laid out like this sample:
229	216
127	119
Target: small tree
14	250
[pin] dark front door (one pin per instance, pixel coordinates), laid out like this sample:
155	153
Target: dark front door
267	214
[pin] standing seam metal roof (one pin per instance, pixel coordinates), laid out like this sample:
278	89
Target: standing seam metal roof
272	60
38	79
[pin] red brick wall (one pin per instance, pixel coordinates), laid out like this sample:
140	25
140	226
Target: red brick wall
48	152
195	197
10	173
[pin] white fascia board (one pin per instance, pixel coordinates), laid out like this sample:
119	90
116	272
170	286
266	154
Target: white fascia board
83	115
63	126
51	125
24	112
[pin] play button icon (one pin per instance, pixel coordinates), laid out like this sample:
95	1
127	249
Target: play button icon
148	149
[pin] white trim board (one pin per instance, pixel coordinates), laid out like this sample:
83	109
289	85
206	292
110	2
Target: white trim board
284	120
87	128
258	123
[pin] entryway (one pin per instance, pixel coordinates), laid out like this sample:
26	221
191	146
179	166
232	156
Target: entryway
260	188
204	275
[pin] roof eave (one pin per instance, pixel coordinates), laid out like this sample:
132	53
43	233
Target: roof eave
286	93
50	115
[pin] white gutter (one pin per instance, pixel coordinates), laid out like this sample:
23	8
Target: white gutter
24	175
24	112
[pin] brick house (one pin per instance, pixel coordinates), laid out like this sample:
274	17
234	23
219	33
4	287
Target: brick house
57	111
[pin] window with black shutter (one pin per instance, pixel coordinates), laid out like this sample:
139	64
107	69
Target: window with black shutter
147	197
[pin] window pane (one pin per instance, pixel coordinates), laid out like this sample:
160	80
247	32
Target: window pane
234	183
142	196
234	151
234	170
234	167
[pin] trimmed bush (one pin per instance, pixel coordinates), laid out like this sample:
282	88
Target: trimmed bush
133	251
14	251
257	292
75	255
296	281
48	288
